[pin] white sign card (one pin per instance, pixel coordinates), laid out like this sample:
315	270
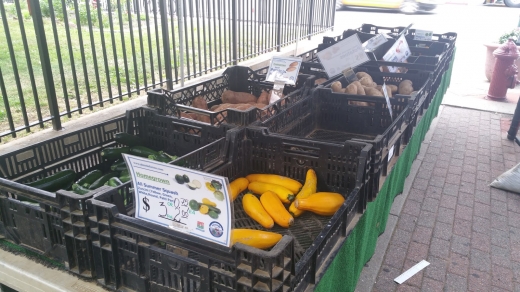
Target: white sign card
423	35
375	42
277	92
388	103
347	53
399	52
186	200
284	69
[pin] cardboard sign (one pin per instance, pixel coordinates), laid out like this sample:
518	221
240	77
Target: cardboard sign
399	52
347	53
423	35
182	199
375	42
284	69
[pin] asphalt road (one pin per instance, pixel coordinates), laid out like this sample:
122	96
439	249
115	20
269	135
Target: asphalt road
475	25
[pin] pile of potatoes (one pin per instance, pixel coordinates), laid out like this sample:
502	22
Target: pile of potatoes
367	86
230	99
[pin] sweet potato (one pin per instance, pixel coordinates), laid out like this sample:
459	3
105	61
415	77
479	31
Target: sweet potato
319	81
366	81
264	97
373	92
336	86
191	116
200	102
351	89
360	89
405	87
229	96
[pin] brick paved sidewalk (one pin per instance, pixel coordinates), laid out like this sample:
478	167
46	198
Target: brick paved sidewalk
469	232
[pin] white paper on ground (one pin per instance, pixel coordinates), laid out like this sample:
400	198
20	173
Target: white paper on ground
412	271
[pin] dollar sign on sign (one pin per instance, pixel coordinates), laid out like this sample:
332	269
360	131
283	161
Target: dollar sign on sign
146	207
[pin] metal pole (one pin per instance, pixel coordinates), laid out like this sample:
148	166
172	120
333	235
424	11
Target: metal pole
180	13
46	64
298	10
234	33
279	28
513	130
166	43
311	8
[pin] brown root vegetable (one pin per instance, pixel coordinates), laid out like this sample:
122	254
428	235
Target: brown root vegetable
264	97
191	116
360	89
392	87
405	87
319	81
229	96
351	89
336	86
359	103
243	107
200	102
388	90
373	92
366	81
361	75
373	84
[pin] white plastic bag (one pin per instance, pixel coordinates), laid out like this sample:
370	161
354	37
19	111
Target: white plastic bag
509	180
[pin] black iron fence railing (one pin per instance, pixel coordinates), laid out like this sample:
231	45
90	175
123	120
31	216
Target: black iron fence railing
59	58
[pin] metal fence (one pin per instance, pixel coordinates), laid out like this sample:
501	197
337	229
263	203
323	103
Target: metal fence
60	58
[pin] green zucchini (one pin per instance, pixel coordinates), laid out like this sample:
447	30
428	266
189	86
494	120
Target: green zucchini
143	151
102	180
89	178
125	173
114	182
118	165
114	152
124	178
128	139
159	158
78	189
55	182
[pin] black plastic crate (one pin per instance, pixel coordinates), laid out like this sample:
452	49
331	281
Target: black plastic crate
238	79
137	256
449	37
57	224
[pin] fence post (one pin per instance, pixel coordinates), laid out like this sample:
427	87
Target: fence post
46	64
311	10
180	16
234	33
166	43
279	27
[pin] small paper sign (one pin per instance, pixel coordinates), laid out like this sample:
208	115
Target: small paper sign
182	199
375	42
391	153
347	53
423	35
399	52
385	92
277	92
284	69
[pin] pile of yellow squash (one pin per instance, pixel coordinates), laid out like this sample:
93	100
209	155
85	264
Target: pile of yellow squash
275	193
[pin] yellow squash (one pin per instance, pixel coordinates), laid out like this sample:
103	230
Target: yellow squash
325	204
209	202
276	209
255	238
237	186
293	185
285	195
256	211
308	189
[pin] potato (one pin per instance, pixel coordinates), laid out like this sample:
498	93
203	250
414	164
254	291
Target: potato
360	89
351	89
388	90
361	75
200	102
358	103
393	88
336	86
319	81
264	97
373	92
405	87
366	81
229	96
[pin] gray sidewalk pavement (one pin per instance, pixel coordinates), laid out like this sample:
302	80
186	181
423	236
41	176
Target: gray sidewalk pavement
469	232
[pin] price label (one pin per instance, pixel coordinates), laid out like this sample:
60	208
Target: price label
347	53
399	52
182	199
423	35
388	104
375	42
284	69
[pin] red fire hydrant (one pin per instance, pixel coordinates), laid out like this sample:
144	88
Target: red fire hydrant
505	70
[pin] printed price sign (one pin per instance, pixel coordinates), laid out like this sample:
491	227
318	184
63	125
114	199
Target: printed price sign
423	35
284	69
375	42
182	199
399	52
347	53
